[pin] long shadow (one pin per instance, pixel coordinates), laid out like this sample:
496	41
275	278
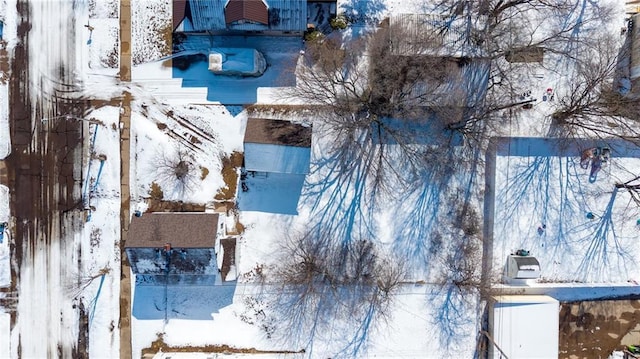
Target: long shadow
546	196
275	193
363	12
344	202
451	313
553	190
307	318
603	250
545	192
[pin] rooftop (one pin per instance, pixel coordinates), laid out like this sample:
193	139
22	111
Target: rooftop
277	132
242	10
182	230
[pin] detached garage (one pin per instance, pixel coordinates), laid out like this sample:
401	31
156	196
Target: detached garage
276	146
524	326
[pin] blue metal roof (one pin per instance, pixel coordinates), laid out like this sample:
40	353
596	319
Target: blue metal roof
284	15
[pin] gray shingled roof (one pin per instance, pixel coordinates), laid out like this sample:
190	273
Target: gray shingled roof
277	132
182	230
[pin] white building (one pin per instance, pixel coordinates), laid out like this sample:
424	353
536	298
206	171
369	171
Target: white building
524	327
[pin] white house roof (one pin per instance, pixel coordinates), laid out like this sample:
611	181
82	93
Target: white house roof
524	326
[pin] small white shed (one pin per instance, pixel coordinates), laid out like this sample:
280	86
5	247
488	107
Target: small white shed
522	267
524	326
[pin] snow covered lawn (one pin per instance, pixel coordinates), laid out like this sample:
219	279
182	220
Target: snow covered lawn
545	203
5	266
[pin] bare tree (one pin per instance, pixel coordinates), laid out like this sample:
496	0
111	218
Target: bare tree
566	30
593	103
373	98
175	170
633	186
327	285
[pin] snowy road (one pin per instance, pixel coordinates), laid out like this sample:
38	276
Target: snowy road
45	180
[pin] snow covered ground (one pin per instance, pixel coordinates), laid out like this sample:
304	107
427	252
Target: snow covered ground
101	272
5	270
543	201
535	184
4	335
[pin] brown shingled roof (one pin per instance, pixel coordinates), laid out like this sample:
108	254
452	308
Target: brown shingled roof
277	132
182	230
179	12
252	10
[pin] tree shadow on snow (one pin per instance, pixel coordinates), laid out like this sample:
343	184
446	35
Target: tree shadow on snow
548	206
333	315
531	193
452	305
363	12
604	250
349	198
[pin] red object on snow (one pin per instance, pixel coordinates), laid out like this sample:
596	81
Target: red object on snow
549	90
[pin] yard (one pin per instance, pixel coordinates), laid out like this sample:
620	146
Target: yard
544	202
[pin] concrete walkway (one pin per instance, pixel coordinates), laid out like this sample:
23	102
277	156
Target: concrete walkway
125	148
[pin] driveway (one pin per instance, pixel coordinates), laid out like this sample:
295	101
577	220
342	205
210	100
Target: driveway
281	54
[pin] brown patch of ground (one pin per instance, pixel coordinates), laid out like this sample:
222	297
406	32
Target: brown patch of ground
230	209
229	258
159	344
156	191
230	166
204	172
594	329
4	62
158	205
239	228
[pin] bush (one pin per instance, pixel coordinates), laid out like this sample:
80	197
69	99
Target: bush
313	35
339	22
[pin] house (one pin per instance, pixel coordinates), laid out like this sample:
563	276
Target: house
522	267
523	326
171	248
181	15
247	16
276	146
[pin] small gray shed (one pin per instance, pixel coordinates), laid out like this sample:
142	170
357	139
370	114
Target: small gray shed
522	267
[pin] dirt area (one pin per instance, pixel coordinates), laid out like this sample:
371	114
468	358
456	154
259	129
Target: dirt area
230	167
4	62
159	344
158	205
594	329
229	258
